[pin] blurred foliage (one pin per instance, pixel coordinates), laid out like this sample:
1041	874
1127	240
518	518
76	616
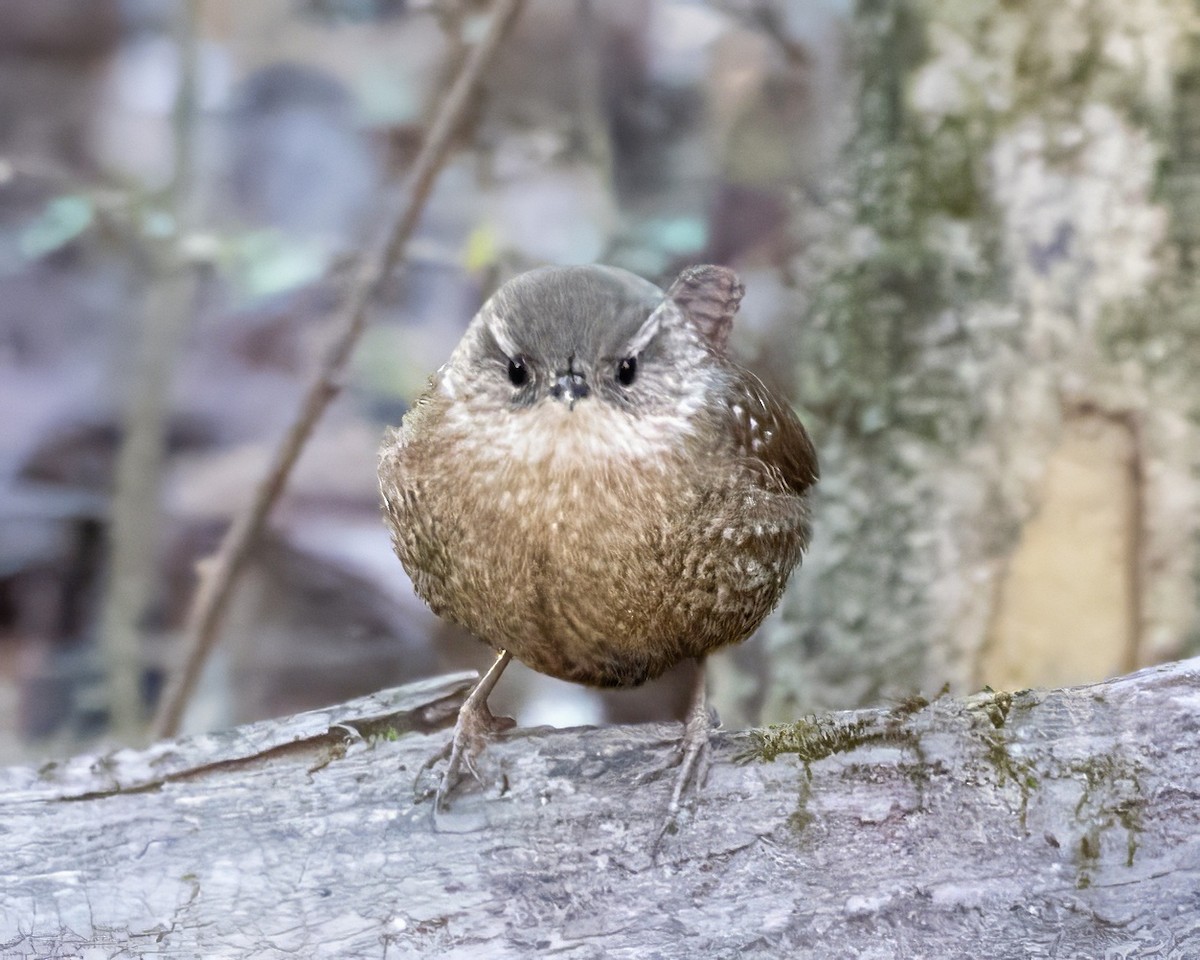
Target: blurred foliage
263	263
64	218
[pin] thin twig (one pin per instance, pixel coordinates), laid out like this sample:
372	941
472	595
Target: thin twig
221	572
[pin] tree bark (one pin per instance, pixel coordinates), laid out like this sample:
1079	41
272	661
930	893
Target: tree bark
1061	823
1000	271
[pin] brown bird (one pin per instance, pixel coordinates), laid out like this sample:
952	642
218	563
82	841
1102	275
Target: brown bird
592	486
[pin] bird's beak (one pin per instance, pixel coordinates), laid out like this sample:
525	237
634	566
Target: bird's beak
570	387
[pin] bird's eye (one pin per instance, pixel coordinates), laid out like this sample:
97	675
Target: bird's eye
518	372
627	371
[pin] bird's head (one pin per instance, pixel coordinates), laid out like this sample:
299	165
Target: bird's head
570	339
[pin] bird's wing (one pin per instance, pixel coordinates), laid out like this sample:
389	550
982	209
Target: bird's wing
769	431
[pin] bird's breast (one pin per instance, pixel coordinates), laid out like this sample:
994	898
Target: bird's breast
592	545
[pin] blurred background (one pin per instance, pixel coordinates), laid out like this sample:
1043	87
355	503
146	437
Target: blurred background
967	232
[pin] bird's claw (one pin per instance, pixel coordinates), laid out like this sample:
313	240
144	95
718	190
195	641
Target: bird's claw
694	757
475	728
421	795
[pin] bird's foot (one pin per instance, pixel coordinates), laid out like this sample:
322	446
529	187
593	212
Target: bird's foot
693	768
693	759
475	728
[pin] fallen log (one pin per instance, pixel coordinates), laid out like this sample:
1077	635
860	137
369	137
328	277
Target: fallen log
1062	823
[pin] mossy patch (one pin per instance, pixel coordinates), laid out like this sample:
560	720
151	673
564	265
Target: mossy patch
915	703
991	712
910	705
814	738
1112	798
1098	794
801	818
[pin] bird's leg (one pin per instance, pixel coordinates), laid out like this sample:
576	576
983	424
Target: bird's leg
693	746
475	726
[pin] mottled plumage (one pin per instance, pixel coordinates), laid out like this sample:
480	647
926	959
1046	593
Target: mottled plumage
604	540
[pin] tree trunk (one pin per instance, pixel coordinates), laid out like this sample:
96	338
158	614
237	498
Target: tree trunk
999	356
1061	823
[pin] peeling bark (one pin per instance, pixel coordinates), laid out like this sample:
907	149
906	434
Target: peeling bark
1059	823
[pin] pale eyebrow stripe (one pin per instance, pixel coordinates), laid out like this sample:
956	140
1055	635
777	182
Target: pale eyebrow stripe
509	348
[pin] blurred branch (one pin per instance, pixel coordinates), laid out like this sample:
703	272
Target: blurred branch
183	120
219	574
451	15
591	116
134	528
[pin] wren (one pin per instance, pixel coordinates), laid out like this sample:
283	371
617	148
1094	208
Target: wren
591	485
